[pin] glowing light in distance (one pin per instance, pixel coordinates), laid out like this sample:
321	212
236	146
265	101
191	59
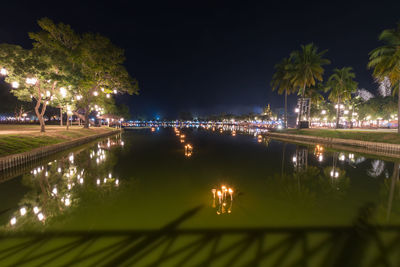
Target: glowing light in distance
3	71
95	93
13	221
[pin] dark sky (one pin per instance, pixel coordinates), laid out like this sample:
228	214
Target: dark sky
213	56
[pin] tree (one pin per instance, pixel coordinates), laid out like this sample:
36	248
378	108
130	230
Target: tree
281	81
34	74
341	85
385	60
307	70
96	65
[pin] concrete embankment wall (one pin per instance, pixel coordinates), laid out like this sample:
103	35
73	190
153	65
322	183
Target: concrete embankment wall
376	148
14	160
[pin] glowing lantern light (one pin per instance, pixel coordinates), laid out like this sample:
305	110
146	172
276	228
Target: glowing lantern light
95	93
108	95
35	210
67	202
13	221
22	211
31	81
3	71
98	181
15	84
40	216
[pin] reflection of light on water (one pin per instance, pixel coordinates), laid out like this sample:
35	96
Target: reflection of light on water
224	203
318	151
188	150
71	171
334	174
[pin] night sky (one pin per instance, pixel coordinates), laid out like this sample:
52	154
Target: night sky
208	57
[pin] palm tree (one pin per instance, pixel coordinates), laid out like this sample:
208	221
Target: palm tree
307	69
385	60
341	85
281	81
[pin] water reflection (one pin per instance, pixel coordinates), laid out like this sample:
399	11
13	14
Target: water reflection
58	185
222	200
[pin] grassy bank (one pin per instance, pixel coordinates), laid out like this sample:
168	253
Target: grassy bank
371	136
20	140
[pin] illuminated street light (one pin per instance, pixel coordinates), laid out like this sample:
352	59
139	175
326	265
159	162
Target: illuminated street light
3	71
13	221
323	112
95	93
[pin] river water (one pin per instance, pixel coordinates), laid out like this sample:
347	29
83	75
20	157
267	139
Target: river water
199	178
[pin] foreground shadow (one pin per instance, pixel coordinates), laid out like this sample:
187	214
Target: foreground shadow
361	244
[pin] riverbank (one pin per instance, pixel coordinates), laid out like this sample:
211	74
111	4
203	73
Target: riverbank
20	138
27	147
381	136
375	143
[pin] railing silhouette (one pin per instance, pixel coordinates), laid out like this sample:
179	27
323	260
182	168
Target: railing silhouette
359	245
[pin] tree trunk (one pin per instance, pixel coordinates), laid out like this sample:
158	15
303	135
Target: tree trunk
301	105
39	115
285	119
61	117
67	121
337	113
86	125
